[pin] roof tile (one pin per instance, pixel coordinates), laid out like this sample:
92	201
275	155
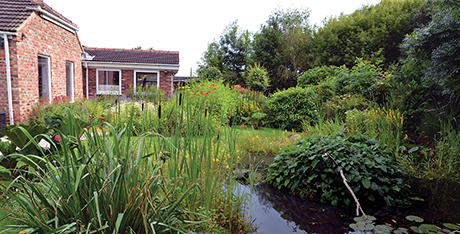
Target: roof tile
14	12
133	56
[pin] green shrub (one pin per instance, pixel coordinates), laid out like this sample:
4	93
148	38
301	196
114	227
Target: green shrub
371	171
326	89
288	108
257	78
338	105
360	79
316	75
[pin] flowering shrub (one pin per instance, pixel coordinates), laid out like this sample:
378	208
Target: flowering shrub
383	124
216	94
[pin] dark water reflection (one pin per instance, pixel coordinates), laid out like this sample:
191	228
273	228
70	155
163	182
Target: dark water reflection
275	212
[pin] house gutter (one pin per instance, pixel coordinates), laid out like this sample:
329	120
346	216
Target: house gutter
55	19
8	74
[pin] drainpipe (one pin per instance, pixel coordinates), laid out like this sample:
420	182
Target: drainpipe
8	75
87	89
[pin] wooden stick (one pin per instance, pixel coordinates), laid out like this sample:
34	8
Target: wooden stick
345	181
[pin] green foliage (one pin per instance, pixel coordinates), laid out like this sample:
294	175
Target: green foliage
316	75
371	171
281	46
247	104
288	108
211	73
372	32
338	105
360	79
257	78
433	51
98	186
229	55
383	124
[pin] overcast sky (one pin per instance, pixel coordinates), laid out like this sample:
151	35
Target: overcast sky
182	25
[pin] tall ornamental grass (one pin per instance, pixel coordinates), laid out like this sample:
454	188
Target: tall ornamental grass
112	180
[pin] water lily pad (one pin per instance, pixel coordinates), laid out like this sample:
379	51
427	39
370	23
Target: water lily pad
401	231
451	226
357	226
369	226
415	229
383	229
429	227
414	218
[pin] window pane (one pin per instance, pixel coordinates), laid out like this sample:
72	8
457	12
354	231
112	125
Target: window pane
146	79
43	78
108	81
69	80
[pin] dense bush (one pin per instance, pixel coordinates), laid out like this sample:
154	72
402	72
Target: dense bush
371	171
288	108
257	78
316	75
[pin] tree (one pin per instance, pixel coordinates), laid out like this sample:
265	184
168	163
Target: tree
433	51
373	33
230	55
282	45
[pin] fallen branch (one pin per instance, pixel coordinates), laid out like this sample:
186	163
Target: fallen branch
345	181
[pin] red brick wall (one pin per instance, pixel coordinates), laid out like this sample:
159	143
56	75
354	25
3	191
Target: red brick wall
3	88
127	81
166	81
41	38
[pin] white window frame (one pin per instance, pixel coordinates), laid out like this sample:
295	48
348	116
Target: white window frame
48	63
145	71
72	81
108	92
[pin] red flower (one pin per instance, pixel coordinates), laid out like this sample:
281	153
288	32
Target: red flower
215	89
212	85
202	84
194	94
201	92
210	100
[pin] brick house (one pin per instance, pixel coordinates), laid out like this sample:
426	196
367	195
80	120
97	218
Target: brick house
41	57
117	71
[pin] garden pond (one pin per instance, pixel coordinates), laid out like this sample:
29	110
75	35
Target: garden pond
274	211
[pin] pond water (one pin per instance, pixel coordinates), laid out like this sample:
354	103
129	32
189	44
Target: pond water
275	212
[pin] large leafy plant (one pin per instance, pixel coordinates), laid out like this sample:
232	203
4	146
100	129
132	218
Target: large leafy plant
371	171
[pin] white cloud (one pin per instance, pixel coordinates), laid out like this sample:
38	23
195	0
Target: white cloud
181	25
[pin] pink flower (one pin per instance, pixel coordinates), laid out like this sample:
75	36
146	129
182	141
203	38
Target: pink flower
100	127
57	138
88	127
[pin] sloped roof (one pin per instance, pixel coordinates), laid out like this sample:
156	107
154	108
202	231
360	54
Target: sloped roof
14	12
133	56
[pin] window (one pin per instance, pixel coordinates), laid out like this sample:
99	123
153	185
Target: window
69	81
108	81
145	80
44	78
